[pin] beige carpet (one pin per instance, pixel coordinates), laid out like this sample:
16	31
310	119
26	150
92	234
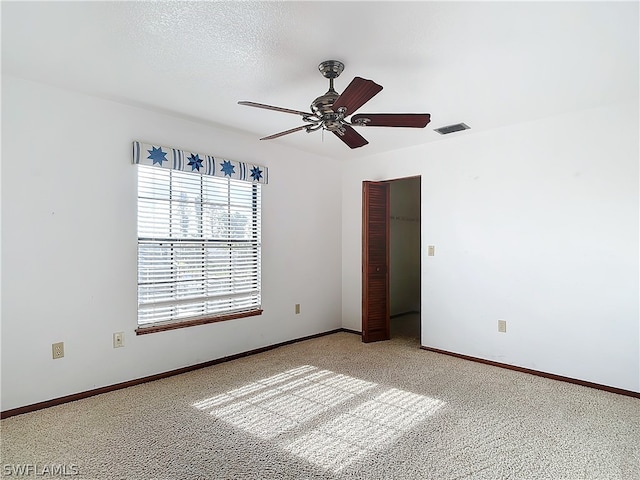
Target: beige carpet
336	408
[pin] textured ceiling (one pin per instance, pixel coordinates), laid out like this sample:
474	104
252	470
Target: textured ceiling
485	64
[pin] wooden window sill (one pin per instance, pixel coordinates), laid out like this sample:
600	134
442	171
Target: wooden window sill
198	321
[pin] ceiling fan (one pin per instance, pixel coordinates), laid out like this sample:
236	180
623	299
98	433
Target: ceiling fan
329	111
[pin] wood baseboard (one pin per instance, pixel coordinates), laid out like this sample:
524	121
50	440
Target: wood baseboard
158	376
348	330
110	388
619	391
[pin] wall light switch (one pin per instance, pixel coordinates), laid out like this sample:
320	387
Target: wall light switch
502	326
297	308
431	250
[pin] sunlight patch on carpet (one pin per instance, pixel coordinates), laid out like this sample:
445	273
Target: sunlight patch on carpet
274	405
341	434
363	430
252	387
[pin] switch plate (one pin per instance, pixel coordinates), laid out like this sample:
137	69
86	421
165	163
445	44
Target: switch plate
297	308
118	339
502	326
431	250
57	350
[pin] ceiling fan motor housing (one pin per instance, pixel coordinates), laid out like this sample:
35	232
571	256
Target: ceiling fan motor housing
322	107
324	103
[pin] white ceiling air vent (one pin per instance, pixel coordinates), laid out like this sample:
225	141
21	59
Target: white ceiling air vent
452	128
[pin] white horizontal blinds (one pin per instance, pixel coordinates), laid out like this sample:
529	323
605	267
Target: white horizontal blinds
198	245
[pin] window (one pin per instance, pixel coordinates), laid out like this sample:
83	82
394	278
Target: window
198	248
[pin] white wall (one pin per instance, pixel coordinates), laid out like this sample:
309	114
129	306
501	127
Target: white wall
69	244
536	224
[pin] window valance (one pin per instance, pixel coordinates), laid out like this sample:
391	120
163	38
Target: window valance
186	161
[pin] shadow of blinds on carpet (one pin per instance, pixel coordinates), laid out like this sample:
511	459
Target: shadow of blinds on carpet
289	401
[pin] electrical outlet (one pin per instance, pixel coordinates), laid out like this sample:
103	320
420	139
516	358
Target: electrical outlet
502	326
118	339
57	350
297	308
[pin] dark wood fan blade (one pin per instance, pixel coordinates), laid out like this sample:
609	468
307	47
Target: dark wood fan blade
357	93
414	120
352	138
277	109
286	132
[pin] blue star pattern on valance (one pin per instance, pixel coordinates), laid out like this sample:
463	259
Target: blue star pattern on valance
198	163
195	162
227	168
256	174
157	155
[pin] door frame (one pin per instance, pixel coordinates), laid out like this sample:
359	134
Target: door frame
366	334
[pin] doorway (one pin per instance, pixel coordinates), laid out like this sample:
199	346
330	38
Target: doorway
391	281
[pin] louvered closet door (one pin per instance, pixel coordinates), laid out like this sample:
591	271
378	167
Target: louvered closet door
375	261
